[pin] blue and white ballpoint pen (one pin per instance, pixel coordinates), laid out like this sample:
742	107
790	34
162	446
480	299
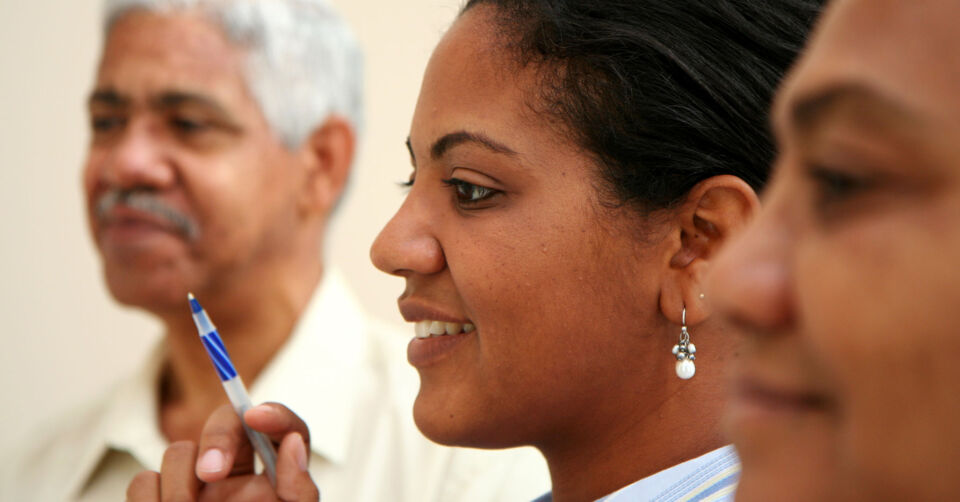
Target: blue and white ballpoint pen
236	392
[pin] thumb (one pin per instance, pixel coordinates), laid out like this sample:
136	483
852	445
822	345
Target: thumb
276	421
293	478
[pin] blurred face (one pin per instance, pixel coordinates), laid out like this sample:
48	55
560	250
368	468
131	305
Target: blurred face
187	188
848	386
544	297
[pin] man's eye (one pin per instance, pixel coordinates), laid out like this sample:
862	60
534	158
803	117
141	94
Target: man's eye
186	125
468	193
105	123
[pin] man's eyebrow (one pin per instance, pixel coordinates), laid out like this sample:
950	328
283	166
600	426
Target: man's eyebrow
172	99
108	97
808	109
448	141
169	99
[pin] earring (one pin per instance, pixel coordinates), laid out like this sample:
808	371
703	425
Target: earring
684	350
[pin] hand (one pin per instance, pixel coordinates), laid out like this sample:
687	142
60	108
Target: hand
221	467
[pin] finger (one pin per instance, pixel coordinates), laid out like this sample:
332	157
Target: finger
145	487
293	479
224	448
247	488
177	480
276	421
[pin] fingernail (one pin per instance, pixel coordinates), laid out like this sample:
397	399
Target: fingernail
262	408
300	452
211	461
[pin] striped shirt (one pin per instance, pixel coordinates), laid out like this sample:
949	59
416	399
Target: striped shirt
711	477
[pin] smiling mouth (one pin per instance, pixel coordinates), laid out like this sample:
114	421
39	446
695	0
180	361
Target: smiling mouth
430	329
770	400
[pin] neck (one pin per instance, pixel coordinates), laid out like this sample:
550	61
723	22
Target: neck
254	320
635	438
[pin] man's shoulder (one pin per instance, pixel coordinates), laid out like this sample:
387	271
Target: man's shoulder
50	453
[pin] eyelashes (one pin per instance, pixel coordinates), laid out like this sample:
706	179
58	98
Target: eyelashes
834	186
468	193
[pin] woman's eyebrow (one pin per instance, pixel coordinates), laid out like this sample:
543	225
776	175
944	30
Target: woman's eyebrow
448	141
808	110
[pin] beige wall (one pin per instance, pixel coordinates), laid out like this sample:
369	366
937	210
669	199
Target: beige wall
64	340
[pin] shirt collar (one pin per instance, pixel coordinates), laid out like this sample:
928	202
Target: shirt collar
315	373
717	469
128	422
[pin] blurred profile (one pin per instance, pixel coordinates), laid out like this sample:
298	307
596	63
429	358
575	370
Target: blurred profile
846	387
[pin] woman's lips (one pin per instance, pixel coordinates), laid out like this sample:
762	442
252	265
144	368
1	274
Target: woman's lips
437	331
755	400
424	352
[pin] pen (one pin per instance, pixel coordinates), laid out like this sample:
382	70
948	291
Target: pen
232	383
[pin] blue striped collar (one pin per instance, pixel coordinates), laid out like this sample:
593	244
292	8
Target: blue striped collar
711	477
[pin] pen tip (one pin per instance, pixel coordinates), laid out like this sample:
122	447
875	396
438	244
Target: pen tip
194	304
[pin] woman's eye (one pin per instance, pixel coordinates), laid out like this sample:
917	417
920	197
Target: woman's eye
834	186
468	193
409	183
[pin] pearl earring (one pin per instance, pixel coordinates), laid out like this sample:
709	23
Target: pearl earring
684	350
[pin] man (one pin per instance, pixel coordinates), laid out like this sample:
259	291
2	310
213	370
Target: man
222	136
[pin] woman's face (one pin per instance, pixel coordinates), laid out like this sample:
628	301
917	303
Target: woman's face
848	386
549	295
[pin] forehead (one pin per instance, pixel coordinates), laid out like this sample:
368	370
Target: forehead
147	52
908	52
473	83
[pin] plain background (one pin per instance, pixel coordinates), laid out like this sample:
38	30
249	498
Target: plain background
64	339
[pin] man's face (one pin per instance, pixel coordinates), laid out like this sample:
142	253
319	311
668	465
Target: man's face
187	187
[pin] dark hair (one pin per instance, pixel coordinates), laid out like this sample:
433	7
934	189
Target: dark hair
664	93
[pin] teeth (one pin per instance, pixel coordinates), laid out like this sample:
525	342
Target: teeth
427	329
422	329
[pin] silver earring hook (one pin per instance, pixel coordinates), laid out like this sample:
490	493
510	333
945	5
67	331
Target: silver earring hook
684	351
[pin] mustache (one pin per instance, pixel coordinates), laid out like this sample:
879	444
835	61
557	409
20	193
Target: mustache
147	202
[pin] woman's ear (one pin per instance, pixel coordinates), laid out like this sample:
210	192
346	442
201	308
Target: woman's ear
714	210
327	154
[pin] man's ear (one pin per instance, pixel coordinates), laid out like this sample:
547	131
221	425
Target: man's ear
327	154
714	210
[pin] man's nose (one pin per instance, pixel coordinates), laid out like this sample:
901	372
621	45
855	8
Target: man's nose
137	158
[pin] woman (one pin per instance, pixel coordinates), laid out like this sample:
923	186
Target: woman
576	166
847	387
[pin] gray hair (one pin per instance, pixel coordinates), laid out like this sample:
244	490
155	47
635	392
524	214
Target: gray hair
303	63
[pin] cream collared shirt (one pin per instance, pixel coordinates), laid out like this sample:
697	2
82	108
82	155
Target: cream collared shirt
345	376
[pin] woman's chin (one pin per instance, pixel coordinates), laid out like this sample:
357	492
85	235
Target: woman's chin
453	426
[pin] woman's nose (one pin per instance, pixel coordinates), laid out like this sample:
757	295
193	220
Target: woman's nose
408	244
750	284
